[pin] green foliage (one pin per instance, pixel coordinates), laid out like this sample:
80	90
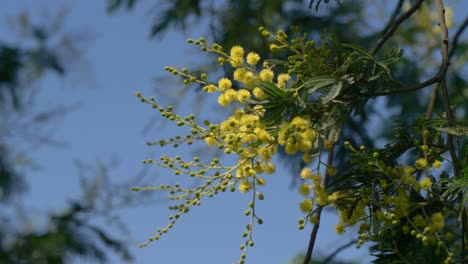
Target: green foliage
325	89
72	233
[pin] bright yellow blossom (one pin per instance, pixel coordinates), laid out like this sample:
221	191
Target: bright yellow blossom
242	95
259	94
236	56
253	58
436	164
267	75
306	173
245	186
224	84
306	206
282	79
421	163
426	183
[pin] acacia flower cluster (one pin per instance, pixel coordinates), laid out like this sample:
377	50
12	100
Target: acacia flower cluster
299	106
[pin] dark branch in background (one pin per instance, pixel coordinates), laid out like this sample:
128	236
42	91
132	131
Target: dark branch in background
338	250
313	235
395	13
434	79
394	26
456	37
444	50
432	101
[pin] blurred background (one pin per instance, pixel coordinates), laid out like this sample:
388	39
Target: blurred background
73	135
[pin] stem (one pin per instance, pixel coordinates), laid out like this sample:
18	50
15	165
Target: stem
456	37
343	247
388	33
313	235
445	99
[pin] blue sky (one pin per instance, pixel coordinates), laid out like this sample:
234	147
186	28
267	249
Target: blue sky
119	60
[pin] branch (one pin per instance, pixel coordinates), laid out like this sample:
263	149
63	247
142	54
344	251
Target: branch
395	13
432	80
445	96
343	247
313	235
456	37
394	26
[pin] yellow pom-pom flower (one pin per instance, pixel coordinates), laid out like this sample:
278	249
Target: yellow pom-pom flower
259	94
253	58
304	189
306	206
224	84
421	163
267	75
245	186
426	183
306	173
236	57
242	95
282	79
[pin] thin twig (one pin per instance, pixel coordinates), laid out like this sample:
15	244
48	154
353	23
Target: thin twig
394	26
338	250
432	101
395	13
432	80
456	37
313	235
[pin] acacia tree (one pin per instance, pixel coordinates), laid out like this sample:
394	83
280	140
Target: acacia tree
407	198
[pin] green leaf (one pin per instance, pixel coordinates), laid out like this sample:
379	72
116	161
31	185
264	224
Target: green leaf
271	89
456	130
333	93
317	83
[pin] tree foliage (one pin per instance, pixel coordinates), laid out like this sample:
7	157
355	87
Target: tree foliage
73	232
309	95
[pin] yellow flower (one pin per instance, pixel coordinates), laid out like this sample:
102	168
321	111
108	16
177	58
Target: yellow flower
304	189
259	94
438	221
426	183
306	173
340	229
227	97
282	79
239	74
209	88
224	84
436	164
321	196
269	168
210	141
253	58
236	56
237	51
267	75
421	163
245	186
296	136
306	206
242	95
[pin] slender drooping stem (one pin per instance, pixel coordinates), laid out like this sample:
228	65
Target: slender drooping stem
313	235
